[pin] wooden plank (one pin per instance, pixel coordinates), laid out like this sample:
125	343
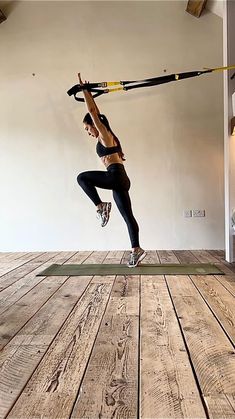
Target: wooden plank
221	406
185	256
10	265
78	257
52	389
228	281
114	256
206	257
7	256
41	257
96	257
13	293
168	387
231	398
27	255
26	307
12	276
151	257
167	256
21	256
24	274
125	296
224	269
16	291
219	255
21	356
211	352
111	257
195	7
112	373
221	302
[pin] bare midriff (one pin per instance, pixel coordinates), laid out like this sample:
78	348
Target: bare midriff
111	159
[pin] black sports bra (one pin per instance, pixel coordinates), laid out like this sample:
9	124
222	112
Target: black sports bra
102	151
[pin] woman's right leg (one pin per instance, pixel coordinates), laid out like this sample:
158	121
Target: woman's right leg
96	178
89	181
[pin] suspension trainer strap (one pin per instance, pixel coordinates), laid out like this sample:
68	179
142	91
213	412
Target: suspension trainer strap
98	89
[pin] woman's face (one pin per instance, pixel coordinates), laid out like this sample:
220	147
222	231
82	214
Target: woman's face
91	130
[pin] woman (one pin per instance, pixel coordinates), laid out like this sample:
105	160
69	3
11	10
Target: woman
115	178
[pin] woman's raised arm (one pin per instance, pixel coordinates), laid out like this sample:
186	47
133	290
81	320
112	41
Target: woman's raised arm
94	111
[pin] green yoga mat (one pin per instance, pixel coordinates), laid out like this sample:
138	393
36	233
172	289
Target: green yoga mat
143	269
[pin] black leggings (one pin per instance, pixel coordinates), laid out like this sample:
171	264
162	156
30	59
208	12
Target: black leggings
116	180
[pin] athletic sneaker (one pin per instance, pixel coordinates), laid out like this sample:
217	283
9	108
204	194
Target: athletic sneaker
136	257
103	213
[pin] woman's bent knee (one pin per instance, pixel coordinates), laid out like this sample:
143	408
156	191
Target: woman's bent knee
81	178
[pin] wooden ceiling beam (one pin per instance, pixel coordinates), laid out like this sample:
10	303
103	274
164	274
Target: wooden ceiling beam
195	7
2	17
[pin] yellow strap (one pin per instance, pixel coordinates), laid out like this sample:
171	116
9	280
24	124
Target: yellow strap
108	83
113	83
114	90
230	67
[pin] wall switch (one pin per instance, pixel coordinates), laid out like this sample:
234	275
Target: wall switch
187	213
199	213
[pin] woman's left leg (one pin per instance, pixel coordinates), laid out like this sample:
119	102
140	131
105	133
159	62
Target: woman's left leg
122	199
123	202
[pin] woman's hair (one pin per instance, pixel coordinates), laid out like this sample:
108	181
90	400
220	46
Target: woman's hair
88	120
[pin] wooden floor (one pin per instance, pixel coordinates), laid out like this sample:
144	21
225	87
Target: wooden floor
116	347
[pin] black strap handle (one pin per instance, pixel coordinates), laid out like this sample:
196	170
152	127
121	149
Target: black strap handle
81	99
91	87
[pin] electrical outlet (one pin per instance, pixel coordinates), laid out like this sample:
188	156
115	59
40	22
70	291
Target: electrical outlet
187	213
199	213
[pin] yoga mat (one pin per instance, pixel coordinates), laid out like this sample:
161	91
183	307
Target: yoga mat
143	269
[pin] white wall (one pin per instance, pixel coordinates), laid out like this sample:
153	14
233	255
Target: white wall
215	6
172	134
